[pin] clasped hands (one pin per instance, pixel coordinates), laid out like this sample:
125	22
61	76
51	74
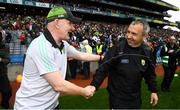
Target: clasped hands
88	91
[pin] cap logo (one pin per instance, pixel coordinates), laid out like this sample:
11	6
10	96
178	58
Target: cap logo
143	62
60	16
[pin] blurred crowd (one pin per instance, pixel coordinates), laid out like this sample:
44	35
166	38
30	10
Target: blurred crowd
25	28
20	30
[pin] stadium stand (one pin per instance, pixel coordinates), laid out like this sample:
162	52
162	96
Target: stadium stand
102	19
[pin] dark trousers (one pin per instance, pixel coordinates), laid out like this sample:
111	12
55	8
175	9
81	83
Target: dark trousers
6	91
168	77
118	103
73	64
86	70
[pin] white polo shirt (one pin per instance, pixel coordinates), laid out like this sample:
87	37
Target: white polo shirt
35	93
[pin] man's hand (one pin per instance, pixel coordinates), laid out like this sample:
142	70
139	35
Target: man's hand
154	99
89	91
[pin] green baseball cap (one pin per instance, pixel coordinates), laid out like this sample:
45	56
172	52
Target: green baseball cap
62	13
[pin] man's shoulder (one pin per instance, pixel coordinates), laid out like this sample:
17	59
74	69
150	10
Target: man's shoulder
40	40
38	44
146	47
147	51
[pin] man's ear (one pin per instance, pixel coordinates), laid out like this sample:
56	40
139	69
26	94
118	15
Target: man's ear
145	36
57	26
56	20
56	23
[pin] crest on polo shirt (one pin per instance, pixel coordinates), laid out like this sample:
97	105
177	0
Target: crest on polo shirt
143	62
125	61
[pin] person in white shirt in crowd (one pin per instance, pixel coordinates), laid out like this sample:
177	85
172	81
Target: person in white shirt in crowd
86	64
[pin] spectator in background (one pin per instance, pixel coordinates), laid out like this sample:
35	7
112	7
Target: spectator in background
45	65
127	64
99	48
169	58
5	87
86	64
17	23
3	35
178	52
73	63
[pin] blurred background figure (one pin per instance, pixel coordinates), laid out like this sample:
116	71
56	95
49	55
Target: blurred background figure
73	63
169	58
5	87
86	64
99	48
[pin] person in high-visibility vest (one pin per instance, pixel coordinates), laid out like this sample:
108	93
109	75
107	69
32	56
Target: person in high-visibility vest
99	48
169	59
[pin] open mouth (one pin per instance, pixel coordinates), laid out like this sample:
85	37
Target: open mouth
70	34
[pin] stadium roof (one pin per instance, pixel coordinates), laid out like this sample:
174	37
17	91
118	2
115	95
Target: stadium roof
156	5
32	8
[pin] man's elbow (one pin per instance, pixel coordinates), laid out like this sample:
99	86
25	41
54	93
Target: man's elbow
57	88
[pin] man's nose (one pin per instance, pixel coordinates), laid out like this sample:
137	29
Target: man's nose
129	36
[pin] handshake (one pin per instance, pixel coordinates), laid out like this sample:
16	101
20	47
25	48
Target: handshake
88	91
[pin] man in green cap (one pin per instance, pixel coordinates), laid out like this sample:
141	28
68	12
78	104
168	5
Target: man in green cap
45	65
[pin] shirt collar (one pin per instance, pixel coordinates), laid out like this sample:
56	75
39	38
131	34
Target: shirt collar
49	37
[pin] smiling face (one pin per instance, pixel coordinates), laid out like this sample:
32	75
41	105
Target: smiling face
135	35
64	27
